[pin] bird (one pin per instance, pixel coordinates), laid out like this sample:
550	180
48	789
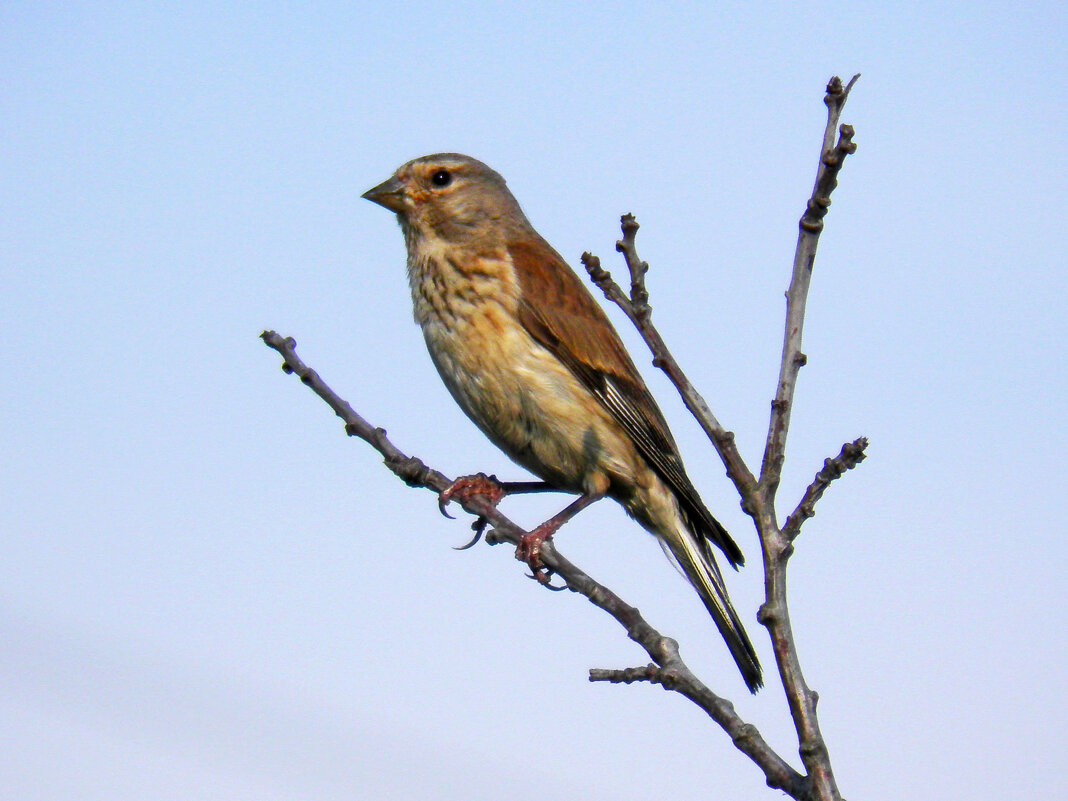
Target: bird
535	363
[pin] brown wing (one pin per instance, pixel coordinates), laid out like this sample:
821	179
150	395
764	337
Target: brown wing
567	321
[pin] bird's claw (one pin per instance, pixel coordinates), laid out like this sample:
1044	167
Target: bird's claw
544	578
529	551
479	526
467	487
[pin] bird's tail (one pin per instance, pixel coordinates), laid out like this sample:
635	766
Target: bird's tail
694	559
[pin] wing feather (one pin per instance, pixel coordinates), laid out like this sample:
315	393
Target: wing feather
568	322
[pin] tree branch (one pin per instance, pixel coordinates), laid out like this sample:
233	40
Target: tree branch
640	314
672	674
775	546
850	456
639	296
758	499
811	224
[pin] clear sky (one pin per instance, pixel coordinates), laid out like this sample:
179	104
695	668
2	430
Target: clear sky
208	592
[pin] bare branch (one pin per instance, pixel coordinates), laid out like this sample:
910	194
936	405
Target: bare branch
746	738
639	296
759	501
673	673
850	456
811	224
626	675
776	547
409	469
641	317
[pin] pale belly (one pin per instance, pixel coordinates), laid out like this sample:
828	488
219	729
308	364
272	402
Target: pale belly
529	404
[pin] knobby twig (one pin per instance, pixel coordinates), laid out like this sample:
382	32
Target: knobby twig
850	456
811	225
640	315
670	671
639	296
758	495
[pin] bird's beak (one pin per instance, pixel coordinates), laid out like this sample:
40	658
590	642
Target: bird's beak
389	194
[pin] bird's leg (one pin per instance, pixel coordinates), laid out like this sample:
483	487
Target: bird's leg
529	548
526	487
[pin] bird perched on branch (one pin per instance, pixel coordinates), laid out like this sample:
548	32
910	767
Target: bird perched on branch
534	361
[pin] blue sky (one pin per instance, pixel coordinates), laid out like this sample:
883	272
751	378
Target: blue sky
208	592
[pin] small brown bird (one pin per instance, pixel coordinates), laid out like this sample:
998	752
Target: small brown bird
534	361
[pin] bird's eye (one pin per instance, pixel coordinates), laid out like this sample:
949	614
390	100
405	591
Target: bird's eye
441	178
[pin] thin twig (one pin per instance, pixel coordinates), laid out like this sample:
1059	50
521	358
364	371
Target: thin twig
850	456
811	224
639	295
626	675
672	674
641	317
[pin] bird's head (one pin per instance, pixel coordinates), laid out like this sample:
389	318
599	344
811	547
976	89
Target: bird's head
450	196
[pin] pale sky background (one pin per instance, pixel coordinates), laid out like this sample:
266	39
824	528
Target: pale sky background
208	592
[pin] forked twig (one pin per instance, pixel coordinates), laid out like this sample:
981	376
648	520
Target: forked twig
758	495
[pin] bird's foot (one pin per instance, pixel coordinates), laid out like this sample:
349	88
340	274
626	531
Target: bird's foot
529	550
467	487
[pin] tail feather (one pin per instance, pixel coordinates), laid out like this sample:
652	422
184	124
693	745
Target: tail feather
696	562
